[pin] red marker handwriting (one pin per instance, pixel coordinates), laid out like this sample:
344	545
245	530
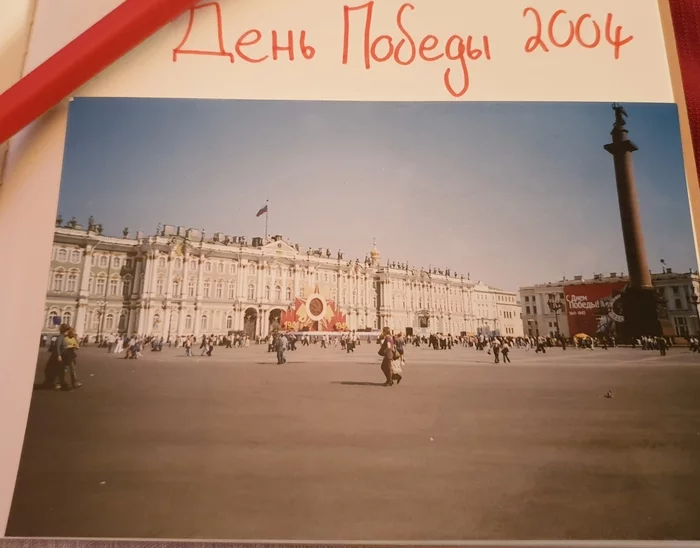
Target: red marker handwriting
561	31
250	46
406	49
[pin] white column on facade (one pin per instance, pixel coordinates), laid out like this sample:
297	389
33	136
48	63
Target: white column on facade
136	291
83	293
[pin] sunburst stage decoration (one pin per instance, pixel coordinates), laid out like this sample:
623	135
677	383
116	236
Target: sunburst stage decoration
317	312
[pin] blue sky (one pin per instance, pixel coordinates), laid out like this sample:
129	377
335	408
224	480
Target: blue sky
512	193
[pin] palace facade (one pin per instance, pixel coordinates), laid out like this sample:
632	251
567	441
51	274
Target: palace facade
179	282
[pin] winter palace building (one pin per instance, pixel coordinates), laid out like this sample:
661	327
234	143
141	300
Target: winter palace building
179	282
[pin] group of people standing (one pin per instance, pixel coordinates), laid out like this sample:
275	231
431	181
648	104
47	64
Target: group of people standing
63	354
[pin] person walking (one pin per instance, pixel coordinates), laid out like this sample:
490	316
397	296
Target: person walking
281	346
398	363
386	351
505	350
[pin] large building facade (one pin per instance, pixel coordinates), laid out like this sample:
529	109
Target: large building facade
180	282
585	304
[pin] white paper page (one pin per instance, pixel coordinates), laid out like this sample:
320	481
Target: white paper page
29	196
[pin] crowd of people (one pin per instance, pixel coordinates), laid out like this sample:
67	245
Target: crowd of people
60	370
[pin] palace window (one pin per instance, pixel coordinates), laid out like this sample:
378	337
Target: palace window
50	319
129	263
178	264
267	293
219	289
279	272
156	322
75	256
113	287
251	269
193	265
161	262
57	281
72	284
207	267
95	320
122	321
104	261
229	322
207	289
220	268
288	294
62	255
278	293
231	290
67	317
176	288
116	262
251	292
191	287
159	286
188	322
109	321
232	268
325	276
204	322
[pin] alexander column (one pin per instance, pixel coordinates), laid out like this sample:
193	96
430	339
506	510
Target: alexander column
640	300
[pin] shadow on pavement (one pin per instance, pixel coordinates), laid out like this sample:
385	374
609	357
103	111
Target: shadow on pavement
350	383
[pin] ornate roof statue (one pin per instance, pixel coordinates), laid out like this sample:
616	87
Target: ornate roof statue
620	115
374	254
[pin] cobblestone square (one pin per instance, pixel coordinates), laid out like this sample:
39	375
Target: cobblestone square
237	447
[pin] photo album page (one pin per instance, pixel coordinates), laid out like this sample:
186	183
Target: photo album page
371	271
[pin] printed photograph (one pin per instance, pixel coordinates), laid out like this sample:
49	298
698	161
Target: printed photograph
363	321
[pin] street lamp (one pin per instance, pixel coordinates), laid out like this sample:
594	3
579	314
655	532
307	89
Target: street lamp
555	306
696	302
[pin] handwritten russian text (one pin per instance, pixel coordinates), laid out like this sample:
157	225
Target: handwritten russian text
250	46
407	49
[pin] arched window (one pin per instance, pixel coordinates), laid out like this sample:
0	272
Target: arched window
122	321
220	268
126	287
50	319
176	288
188	322
75	256
279	272
57	281
288	294
116	262
251	269
207	288
231	290
103	261
159	286
204	322
114	287
109	322
267	292
229	322
156	322
220	289
232	268
161	262
101	285
251	291
193	265
72	284
191	287
207	266
178	264
278	293
62	254
95	320
334	295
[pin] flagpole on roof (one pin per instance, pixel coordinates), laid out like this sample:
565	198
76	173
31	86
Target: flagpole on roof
267	213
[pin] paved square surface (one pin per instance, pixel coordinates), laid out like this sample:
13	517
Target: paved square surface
237	447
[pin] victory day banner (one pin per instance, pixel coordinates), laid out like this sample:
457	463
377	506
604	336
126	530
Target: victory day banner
593	308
